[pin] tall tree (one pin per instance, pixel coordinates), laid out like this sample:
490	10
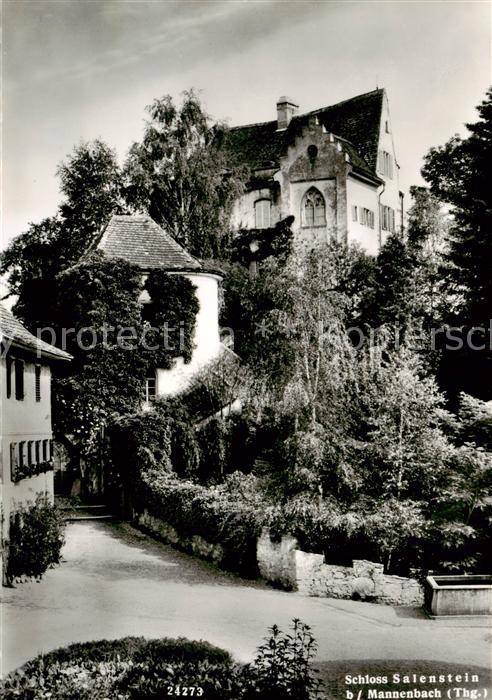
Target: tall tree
178	174
89	183
427	236
459	174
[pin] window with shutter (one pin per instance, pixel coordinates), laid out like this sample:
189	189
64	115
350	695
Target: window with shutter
19	379
22	459
37	382
8	366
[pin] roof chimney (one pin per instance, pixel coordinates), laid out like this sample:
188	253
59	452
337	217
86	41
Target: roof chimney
286	109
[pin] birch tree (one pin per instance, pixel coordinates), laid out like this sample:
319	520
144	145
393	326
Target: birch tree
178	175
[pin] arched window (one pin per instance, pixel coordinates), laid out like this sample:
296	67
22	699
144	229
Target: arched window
313	210
262	213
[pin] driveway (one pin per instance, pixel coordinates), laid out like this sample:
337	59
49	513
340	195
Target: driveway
115	581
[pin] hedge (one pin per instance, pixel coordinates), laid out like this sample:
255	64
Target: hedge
221	515
134	668
129	668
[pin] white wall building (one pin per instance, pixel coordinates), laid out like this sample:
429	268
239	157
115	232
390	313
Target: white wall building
26	468
335	169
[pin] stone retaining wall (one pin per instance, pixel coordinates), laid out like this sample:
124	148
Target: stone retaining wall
284	564
196	545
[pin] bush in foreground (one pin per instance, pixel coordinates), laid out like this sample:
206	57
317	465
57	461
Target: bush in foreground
36	539
137	669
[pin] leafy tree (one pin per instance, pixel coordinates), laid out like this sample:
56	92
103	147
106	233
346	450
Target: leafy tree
89	183
459	175
252	310
405	446
178	174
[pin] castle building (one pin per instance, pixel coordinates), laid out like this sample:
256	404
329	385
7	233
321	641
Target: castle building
334	169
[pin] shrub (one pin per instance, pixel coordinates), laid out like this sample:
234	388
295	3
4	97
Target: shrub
282	667
129	668
230	514
36	539
134	668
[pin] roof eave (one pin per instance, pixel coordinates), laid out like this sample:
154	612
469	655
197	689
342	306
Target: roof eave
360	174
56	354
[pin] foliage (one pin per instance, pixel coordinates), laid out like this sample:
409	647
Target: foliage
213	441
282	667
177	174
127	668
108	371
459	174
266	242
252	310
140	441
89	183
27	470
171	313
229	514
36	539
134	668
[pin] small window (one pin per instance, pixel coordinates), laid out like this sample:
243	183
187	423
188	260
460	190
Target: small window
313	211
22	460
263	213
38	451
45	450
37	381
386	164
8	366
354	214
150	389
312	151
19	380
386	126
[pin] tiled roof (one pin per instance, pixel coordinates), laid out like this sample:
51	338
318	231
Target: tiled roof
356	120
13	330
139	240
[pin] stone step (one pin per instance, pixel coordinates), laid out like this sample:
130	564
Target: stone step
73	518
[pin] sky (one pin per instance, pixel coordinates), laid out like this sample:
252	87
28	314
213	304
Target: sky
78	70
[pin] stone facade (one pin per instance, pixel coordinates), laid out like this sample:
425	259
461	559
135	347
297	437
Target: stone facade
284	564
